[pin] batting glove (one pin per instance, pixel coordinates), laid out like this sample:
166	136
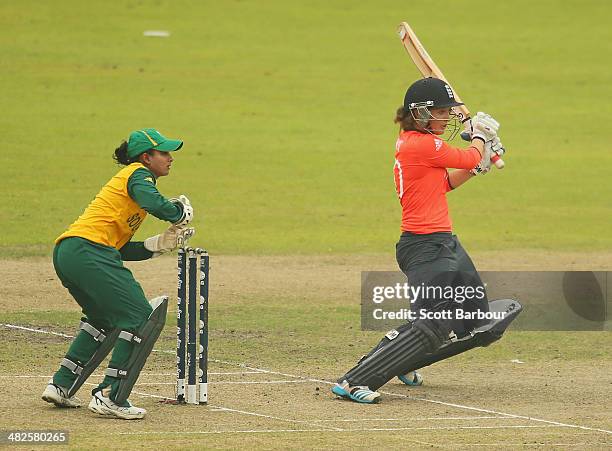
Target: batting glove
484	127
491	147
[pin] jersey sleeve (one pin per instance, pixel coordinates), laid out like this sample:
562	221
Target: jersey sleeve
141	188
442	155
135	251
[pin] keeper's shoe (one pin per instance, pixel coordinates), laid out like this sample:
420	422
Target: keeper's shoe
59	396
357	393
412	379
102	405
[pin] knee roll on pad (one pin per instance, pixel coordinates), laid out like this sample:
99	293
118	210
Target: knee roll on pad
411	344
106	340
143	339
481	336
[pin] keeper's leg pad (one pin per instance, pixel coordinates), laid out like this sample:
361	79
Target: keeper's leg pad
106	340
143	341
481	336
403	347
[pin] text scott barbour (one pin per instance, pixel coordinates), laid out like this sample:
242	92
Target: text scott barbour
409	315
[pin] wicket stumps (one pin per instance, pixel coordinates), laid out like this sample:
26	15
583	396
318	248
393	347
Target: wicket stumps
187	299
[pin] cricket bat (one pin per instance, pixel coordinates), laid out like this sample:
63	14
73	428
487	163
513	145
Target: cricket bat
425	64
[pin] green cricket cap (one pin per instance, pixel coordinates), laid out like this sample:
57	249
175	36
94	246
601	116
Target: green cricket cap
148	138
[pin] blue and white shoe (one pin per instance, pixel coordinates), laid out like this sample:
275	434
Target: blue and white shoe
358	393
412	379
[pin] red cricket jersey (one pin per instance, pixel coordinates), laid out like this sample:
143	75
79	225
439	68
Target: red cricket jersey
421	179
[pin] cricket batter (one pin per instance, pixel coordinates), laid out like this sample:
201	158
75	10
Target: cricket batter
428	253
88	259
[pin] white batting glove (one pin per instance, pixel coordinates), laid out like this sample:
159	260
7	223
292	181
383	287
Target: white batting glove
187	216
169	240
484	127
497	147
493	146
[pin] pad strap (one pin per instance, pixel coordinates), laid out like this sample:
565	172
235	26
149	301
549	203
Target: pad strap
67	363
116	372
130	337
97	335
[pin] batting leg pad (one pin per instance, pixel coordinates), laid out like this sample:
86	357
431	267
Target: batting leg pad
383	342
143	341
507	310
106	340
404	347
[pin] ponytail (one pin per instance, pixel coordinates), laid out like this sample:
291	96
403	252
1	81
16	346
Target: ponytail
121	156
405	119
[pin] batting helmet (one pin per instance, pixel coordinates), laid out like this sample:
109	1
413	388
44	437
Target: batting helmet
431	93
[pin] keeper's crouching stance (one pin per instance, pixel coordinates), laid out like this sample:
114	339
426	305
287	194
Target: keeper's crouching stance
428	252
88	259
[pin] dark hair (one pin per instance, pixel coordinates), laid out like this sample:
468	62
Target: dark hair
121	156
406	120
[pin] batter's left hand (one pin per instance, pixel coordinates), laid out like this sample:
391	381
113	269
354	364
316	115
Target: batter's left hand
494	146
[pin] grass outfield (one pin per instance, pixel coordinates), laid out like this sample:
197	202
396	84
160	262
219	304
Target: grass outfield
286	109
275	349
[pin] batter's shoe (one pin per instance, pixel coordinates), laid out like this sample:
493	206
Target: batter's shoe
357	393
102	405
57	395
412	379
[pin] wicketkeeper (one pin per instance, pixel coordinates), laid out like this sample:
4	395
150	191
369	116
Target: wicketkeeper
88	259
428	253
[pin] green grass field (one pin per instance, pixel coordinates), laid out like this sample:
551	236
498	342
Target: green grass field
286	110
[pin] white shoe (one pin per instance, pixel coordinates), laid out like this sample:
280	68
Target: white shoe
103	405
59	396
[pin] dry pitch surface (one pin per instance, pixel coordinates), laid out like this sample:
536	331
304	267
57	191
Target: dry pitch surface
270	374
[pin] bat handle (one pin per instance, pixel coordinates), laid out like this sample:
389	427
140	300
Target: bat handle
495	159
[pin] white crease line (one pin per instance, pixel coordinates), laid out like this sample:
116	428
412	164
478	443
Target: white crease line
509	415
538	444
273	431
59	334
459	406
39	331
19	376
350	420
329	428
24	377
244	412
231	382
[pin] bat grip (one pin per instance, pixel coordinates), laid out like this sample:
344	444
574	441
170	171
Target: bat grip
497	161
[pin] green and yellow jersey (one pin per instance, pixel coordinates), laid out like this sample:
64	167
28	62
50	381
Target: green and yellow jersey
117	211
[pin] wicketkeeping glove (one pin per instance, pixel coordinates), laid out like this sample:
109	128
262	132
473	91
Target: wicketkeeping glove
187	210
168	240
